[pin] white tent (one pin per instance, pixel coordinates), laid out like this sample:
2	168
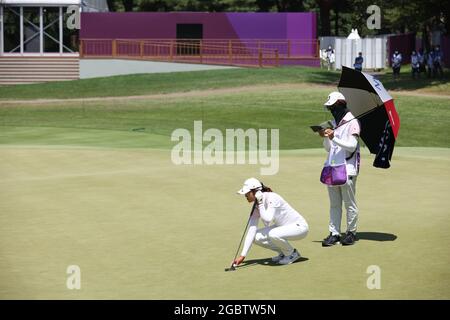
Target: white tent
354	35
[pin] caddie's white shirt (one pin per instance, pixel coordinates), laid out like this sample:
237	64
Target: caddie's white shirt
284	214
344	132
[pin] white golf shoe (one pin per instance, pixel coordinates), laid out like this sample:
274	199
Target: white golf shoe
294	256
278	258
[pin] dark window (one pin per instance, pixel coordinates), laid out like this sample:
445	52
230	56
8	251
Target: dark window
188	38
11	23
31	29
70	36
51	29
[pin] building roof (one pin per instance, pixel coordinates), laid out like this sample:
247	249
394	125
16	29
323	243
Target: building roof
41	2
86	5
94	5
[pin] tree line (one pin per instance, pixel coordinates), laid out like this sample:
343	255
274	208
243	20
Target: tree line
335	17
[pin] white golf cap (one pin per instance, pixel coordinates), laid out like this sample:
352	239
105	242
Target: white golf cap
333	97
250	184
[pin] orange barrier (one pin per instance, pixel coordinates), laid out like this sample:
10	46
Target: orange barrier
259	53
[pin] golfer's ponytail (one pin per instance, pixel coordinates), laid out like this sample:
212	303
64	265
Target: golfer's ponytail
265	188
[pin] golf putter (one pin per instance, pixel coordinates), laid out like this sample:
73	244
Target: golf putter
233	267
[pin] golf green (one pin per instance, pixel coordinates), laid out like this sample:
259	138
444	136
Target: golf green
87	180
140	227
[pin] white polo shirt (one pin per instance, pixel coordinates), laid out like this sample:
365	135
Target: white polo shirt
280	214
349	126
283	213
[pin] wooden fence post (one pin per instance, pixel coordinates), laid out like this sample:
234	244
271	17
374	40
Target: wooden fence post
114	48
289	49
260	57
230	51
171	50
141	49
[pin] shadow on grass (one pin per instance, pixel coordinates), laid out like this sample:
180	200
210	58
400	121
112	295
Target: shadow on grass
406	82
321	77
266	262
371	236
376	236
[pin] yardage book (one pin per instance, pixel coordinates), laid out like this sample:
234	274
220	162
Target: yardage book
322	126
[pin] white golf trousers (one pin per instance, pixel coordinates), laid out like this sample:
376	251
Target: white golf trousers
346	194
275	237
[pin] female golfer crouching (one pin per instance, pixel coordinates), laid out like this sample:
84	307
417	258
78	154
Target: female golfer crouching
288	224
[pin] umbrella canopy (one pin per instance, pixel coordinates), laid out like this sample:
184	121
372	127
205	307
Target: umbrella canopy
369	101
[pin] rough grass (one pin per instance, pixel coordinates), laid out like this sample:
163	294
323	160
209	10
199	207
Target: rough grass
144	84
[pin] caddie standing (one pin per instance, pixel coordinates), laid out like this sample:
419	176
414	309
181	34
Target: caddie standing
341	169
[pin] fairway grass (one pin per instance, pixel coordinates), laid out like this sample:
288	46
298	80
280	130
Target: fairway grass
149	123
140	227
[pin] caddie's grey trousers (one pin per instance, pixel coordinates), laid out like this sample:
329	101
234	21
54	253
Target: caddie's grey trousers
346	194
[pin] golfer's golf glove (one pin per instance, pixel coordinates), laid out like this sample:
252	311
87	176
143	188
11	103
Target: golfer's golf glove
259	196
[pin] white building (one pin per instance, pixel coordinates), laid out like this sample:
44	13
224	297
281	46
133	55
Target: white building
39	39
42	26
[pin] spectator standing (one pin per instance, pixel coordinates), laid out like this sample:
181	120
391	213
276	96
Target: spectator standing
421	57
437	62
430	63
358	62
396	63
415	65
330	57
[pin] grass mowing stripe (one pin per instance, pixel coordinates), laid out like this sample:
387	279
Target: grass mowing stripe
291	111
157	83
140	84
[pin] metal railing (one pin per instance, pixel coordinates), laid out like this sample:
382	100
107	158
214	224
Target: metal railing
258	53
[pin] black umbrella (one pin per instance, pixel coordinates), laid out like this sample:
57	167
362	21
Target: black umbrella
369	101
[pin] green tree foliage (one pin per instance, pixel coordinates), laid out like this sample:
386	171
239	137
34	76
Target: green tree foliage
335	17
